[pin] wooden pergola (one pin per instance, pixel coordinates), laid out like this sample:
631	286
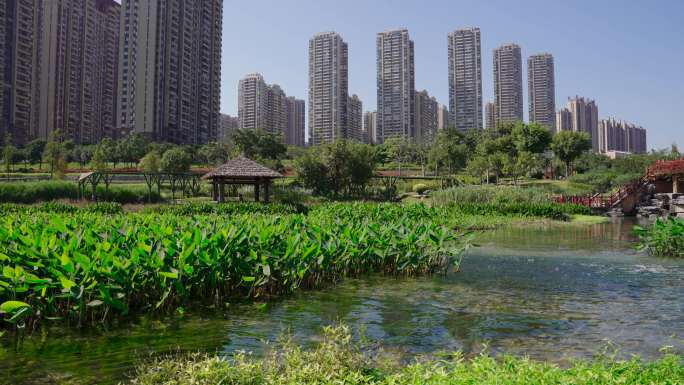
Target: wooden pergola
242	171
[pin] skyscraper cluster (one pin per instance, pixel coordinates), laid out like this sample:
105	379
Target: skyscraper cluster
97	68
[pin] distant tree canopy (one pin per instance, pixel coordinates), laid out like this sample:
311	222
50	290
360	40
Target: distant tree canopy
570	145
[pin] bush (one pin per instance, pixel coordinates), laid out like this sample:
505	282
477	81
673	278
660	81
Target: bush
227	209
663	239
420	188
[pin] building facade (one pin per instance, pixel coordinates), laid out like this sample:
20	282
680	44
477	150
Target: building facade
170	69
426	116
465	78
541	87
370	127
328	88
490	116
616	136
276	111
295	130
355	118
396	85
508	88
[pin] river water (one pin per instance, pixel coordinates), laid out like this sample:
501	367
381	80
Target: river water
553	293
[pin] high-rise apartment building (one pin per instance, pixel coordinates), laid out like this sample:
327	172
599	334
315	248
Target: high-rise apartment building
508	88
465	78
59	68
294	132
228	125
426	116
19	70
78	56
252	103
619	136
370	127
267	107
563	120
355	118
490	116
396	85
542	90
328	88
442	117
584	118
170	69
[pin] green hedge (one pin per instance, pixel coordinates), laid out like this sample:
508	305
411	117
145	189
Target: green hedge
34	192
229	208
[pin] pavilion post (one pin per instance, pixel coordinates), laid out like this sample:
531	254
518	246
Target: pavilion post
256	191
222	192
267	186
214	193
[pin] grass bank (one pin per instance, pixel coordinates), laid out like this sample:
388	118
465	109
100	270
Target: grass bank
337	360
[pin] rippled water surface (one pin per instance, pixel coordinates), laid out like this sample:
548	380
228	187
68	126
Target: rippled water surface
552	293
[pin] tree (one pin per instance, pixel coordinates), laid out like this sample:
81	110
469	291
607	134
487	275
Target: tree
150	163
257	144
55	154
397	150
568	146
175	161
98	162
132	148
532	138
214	153
34	151
449	150
312	172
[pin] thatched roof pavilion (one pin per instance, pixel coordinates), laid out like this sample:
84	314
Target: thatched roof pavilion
242	171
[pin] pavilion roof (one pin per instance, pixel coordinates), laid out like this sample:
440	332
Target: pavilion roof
242	167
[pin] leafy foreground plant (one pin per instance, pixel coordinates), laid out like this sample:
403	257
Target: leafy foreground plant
665	238
87	268
336	360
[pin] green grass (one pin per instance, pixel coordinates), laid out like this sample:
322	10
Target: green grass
337	360
588	219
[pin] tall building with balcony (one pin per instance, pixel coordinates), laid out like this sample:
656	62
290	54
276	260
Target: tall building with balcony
465	78
370	127
59	68
563	120
508	87
620	136
490	116
355	118
396	85
252	102
442	117
228	125
328	88
19	69
584	118
276	108
294	132
542	90
427	119
170	69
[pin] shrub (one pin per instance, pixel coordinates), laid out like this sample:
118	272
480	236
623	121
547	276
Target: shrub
492	194
44	191
420	188
665	238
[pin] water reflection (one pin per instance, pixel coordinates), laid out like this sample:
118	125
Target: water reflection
550	293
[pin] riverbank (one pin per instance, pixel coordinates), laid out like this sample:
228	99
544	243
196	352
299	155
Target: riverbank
337	360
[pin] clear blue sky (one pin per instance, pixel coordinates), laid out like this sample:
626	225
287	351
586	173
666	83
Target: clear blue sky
627	55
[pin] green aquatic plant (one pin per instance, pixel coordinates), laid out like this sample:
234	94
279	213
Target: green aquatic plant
338	360
86	268
665	238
